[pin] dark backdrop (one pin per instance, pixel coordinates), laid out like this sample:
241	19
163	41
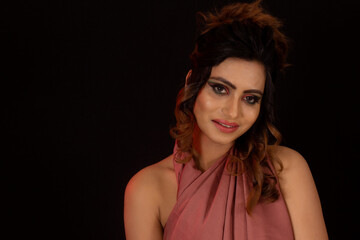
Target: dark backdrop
89	89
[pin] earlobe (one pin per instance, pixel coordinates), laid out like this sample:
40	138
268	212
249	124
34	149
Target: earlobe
187	77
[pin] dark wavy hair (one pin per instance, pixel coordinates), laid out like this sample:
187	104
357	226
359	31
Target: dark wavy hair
245	31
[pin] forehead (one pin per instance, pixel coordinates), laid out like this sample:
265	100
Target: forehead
242	73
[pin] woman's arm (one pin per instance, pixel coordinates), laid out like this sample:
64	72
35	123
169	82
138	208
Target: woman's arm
301	197
141	207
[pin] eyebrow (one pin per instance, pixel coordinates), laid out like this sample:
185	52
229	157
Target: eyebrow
224	81
233	86
254	91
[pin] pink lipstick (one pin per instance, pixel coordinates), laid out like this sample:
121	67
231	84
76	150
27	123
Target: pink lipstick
225	126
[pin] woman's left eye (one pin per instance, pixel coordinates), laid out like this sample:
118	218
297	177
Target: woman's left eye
251	99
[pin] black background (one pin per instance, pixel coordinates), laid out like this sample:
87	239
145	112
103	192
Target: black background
89	89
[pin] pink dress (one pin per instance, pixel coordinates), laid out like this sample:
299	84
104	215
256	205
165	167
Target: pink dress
211	206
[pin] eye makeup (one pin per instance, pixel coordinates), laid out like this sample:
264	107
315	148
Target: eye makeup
218	88
251	99
223	80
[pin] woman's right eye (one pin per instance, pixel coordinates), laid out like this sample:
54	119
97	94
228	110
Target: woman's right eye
219	88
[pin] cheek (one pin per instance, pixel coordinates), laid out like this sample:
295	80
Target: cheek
203	105
252	113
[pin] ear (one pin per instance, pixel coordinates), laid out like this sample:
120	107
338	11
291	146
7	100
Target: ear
187	77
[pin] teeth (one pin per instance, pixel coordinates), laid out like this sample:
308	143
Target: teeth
225	125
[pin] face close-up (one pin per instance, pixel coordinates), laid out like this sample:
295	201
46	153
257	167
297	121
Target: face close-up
229	103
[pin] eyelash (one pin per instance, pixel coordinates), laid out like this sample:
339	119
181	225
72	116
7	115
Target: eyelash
253	99
250	99
216	86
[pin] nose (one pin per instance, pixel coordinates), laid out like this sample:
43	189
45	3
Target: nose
232	108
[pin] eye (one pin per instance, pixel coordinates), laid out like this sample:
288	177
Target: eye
251	99
219	88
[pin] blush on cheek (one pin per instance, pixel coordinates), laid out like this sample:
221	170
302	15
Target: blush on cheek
255	116
204	102
198	104
202	108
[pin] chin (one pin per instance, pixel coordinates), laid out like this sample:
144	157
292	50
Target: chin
223	140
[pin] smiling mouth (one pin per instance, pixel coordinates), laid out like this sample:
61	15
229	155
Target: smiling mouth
225	125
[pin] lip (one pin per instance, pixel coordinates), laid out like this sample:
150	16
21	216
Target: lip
233	126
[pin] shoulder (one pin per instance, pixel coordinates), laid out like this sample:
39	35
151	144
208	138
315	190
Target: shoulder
147	182
289	158
153	172
294	168
300	194
143	199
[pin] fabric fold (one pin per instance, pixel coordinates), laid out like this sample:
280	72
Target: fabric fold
211	205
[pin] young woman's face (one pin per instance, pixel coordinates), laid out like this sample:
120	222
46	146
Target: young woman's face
229	103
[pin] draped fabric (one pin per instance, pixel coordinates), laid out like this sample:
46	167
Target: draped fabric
211	205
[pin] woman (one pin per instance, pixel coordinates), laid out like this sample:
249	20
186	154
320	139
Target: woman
228	177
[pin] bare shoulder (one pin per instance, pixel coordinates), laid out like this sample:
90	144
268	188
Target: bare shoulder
294	169
290	158
143	199
300	194
151	175
148	181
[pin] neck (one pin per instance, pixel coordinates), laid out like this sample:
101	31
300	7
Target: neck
209	151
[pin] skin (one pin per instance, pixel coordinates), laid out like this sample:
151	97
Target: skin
151	194
221	102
